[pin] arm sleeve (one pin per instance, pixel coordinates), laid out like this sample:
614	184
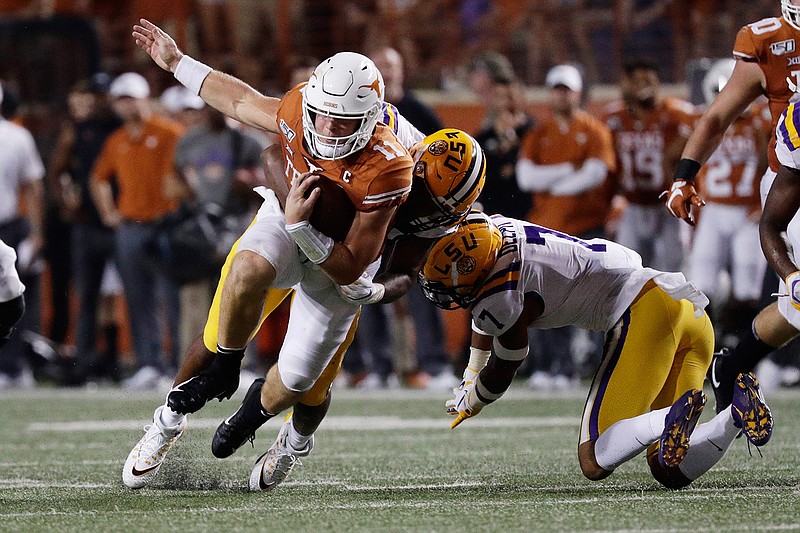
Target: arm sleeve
406	132
590	175
534	178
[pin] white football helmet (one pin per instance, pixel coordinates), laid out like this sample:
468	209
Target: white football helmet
717	77
791	13
346	86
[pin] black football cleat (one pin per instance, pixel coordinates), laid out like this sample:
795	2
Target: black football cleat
723	388
241	426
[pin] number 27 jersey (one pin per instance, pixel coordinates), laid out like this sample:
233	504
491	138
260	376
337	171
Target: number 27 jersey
588	284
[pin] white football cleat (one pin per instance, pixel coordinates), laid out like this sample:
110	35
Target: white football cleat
148	455
275	465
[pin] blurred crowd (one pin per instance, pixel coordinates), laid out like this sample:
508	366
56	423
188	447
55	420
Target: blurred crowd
123	156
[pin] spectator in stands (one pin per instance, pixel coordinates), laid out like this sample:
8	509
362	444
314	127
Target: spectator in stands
21	177
564	161
506	124
90	122
140	155
483	70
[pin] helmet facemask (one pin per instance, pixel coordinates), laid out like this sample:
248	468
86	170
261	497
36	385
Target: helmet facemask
451	166
791	13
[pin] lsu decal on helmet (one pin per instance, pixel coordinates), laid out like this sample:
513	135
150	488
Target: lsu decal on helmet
345	86
458	264
452	166
717	77
791	13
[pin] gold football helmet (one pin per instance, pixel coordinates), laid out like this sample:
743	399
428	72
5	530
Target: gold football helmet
451	165
458	264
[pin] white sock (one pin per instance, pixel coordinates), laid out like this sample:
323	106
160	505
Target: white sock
709	443
295	440
627	438
169	418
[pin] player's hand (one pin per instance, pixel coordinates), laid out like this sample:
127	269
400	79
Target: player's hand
299	202
793	286
465	403
681	197
158	44
362	291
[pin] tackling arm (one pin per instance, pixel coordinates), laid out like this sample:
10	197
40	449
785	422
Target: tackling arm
509	350
782	203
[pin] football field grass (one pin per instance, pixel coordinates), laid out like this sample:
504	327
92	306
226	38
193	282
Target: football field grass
383	462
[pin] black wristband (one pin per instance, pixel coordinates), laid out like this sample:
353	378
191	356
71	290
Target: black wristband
687	170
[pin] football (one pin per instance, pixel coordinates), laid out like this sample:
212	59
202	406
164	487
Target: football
333	212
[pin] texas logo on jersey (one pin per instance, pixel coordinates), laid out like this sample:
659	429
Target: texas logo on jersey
379	175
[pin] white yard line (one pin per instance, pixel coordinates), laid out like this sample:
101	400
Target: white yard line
332	423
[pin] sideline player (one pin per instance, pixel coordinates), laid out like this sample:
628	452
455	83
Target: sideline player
727	234
12	297
647	392
649	132
766	52
328	129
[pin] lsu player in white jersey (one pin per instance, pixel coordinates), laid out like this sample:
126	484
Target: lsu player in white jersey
726	237
304	371
12	298
647	391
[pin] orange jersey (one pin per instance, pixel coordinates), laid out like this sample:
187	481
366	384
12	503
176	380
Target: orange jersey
140	167
772	43
547	144
733	172
379	175
641	145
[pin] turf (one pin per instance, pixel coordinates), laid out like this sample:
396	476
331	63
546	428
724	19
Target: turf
383	462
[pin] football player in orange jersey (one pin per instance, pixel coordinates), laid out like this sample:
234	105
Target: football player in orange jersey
649	133
438	204
328	129
726	235
767	59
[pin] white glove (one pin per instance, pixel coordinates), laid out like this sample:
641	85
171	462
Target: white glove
465	404
793	286
362	291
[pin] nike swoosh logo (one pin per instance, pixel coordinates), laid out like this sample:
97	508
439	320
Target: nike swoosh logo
640	442
714	380
261	484
715	445
137	472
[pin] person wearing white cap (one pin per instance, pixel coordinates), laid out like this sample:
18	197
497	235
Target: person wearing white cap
21	175
564	161
140	156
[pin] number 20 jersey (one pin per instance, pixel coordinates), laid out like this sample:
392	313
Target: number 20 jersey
588	284
773	44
